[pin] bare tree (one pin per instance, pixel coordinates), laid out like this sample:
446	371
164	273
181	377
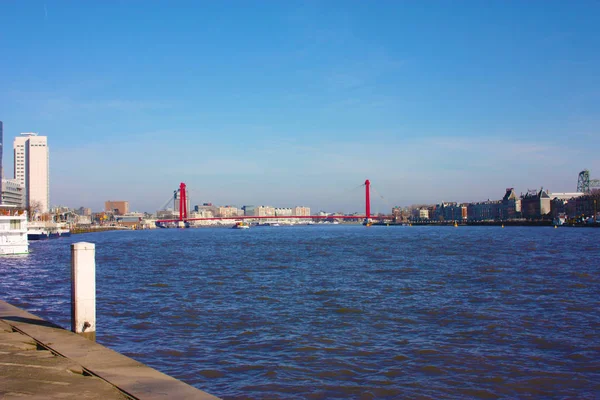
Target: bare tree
34	209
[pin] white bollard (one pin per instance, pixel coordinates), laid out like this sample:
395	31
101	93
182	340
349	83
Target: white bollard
83	289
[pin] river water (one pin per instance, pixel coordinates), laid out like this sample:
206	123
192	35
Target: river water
340	311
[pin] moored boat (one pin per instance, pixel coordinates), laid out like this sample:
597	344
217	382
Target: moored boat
241	225
13	233
47	230
37	234
37	231
64	232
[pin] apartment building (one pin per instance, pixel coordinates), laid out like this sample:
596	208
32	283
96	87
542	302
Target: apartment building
31	160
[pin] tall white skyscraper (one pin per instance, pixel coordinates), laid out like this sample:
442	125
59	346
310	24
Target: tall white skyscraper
32	169
1	149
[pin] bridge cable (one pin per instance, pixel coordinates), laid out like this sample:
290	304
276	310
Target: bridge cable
382	198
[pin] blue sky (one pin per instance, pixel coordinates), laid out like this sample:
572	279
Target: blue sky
287	103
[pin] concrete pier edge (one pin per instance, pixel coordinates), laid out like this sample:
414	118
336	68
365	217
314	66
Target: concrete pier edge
132	378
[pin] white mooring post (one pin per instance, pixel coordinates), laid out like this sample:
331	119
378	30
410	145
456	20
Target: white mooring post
83	289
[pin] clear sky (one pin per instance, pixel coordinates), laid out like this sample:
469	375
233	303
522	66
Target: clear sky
287	103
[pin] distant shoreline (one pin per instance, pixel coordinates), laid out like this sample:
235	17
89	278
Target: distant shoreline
75	231
493	223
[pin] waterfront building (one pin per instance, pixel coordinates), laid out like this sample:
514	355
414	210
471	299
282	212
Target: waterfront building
131	221
32	169
559	205
450	212
265	211
207	210
84	211
202	213
228	211
1	151
249	210
84	219
484	211
431	211
167	214
511	205
583	206
116	206
421	213
283	212
12	193
565	196
401	214
535	204
301	211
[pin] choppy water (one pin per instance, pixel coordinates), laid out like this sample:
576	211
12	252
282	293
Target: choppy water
341	311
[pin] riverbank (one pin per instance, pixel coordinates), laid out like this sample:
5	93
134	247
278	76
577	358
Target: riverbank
77	230
41	360
489	223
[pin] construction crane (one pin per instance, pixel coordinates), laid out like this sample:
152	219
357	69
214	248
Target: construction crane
585	184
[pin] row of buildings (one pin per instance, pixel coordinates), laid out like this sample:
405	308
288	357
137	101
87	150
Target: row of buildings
30	187
208	210
533	205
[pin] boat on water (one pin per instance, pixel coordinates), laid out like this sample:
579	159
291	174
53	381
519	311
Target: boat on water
35	233
64	232
13	233
241	225
48	230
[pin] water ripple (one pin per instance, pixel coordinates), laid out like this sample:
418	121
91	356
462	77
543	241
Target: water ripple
340	311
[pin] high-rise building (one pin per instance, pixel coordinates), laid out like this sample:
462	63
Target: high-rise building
32	169
301	211
1	150
228	211
1	171
12	193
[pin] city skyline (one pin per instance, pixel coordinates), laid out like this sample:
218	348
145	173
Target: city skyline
297	103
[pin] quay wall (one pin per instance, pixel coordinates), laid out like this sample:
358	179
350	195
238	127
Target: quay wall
132	378
494	223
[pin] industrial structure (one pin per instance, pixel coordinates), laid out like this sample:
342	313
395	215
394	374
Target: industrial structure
585	184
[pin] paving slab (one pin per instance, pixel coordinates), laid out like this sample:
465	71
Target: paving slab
26	372
35	354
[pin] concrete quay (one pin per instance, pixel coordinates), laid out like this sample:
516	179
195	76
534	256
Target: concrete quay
40	360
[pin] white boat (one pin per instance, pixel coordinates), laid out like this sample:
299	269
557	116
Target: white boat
64	232
37	231
13	232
